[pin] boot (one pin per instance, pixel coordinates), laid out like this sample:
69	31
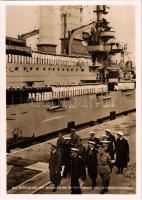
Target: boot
93	184
55	188
106	186
103	187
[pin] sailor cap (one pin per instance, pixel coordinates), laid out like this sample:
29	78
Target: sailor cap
72	129
92	132
105	136
108	130
91	142
105	141
75	149
120	133
67	138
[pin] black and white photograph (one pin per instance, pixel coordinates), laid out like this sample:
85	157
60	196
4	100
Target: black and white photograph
71	74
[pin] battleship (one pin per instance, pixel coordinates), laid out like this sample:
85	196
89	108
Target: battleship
48	92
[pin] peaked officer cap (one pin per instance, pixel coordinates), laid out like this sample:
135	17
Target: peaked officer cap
92	132
108	130
91	142
67	138
120	133
75	149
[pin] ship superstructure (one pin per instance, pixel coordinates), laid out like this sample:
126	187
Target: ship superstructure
102	45
62	81
26	68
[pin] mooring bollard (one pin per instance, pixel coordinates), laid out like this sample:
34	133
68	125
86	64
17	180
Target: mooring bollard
70	125
112	115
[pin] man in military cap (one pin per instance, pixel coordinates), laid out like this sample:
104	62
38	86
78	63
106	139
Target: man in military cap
122	152
67	156
91	162
60	144
111	145
76	171
74	137
60	140
104	163
55	167
94	138
82	154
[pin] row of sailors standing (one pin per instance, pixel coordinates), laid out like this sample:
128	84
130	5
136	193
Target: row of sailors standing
125	86
36	58
40	96
68	91
97	158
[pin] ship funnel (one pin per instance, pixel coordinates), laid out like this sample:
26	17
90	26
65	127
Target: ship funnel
49	33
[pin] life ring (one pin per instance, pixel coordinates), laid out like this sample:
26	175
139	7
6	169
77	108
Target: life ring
11	68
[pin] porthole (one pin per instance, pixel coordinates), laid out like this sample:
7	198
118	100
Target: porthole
37	68
53	69
71	69
44	69
58	69
31	68
77	70
49	69
16	68
63	69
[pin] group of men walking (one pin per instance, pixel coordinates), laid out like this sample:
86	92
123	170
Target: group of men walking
98	157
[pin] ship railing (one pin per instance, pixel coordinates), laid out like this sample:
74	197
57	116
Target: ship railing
47	60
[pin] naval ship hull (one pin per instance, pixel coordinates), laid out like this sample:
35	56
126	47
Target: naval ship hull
35	118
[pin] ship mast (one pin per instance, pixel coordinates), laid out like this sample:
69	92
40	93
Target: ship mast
101	43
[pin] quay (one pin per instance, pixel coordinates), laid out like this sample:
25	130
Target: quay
29	166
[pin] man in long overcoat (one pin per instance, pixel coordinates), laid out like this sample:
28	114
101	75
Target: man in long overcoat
122	152
82	154
111	145
67	156
55	167
76	171
91	162
60	145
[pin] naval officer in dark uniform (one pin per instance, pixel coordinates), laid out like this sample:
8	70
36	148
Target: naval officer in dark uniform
91	162
82	154
76	171
55	167
111	145
60	145
67	156
94	138
122	152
